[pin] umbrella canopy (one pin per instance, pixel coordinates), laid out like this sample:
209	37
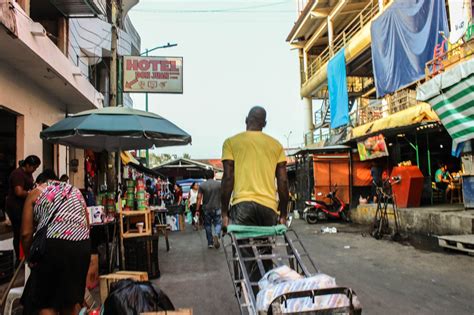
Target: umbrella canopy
114	129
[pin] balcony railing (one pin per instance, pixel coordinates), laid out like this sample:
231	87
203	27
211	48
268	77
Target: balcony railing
455	54
371	110
316	136
342	39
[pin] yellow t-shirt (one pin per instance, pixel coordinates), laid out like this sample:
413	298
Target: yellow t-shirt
255	157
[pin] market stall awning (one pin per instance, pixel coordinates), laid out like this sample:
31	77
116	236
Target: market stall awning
410	116
115	129
451	94
311	149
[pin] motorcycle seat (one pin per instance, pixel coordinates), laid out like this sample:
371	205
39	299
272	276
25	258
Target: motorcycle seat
322	203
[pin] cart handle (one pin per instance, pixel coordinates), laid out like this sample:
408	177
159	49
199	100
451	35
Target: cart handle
313	293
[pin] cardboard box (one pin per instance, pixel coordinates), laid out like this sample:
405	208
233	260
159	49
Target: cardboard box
96	214
107	280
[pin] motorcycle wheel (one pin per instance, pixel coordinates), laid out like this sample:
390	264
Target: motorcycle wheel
311	218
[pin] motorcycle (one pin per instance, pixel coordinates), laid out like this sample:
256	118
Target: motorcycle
318	210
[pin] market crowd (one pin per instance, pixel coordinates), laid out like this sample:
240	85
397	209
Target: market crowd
51	227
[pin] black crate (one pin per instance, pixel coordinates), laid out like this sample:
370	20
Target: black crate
172	210
7	265
141	254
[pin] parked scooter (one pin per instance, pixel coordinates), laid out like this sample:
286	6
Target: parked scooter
318	210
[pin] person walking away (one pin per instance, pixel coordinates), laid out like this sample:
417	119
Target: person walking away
192	203
57	281
252	160
20	183
209	196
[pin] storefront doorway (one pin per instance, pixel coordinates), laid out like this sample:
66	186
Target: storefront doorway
7	153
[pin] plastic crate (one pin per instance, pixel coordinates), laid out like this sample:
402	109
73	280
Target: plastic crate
141	254
7	265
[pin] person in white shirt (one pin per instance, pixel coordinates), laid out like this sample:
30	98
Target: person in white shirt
192	202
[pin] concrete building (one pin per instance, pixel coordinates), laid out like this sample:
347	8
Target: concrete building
412	130
53	62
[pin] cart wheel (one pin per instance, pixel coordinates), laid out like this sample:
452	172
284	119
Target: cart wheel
376	232
396	237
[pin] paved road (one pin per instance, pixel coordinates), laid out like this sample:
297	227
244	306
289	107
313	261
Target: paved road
389	278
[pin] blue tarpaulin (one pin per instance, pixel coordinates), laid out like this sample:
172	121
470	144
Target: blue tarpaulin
337	86
403	41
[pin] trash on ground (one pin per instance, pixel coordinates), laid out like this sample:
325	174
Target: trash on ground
328	230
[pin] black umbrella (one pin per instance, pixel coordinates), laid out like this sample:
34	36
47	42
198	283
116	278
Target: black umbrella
114	129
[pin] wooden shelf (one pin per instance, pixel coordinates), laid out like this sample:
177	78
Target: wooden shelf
135	212
134	233
130	218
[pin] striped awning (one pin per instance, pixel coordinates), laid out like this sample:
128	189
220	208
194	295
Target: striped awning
451	95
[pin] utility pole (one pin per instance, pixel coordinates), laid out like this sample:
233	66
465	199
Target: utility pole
114	13
113	52
288	139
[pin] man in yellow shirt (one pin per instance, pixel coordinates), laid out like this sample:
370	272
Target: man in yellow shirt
252	160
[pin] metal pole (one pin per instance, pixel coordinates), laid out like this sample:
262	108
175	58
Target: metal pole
168	45
146	109
114	16
428	152
417	151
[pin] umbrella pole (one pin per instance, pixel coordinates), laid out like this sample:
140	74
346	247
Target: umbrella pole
119	183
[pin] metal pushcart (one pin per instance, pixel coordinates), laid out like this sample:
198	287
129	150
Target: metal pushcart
249	259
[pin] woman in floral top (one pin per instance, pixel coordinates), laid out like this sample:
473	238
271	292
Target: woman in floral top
57	282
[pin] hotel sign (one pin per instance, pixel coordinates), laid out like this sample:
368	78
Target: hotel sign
152	74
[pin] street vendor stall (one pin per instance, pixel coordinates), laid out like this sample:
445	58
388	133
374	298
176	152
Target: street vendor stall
450	95
114	129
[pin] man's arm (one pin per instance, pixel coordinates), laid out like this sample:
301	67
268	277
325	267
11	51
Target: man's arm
283	193
227	187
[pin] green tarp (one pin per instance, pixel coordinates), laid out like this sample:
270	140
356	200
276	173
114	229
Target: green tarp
451	95
246	231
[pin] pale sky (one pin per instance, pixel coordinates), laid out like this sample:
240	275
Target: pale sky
235	57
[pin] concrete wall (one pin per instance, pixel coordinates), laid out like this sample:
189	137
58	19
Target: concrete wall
436	220
34	107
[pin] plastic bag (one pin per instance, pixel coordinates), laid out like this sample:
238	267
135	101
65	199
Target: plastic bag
189	217
132	298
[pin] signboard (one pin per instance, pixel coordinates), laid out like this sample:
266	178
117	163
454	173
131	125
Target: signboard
152	74
372	148
459	17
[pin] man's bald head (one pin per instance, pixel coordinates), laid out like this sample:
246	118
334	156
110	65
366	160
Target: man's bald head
256	119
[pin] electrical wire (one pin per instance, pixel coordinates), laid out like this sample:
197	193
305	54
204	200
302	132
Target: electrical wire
228	10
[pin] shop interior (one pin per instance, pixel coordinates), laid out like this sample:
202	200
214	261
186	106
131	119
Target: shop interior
424	146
